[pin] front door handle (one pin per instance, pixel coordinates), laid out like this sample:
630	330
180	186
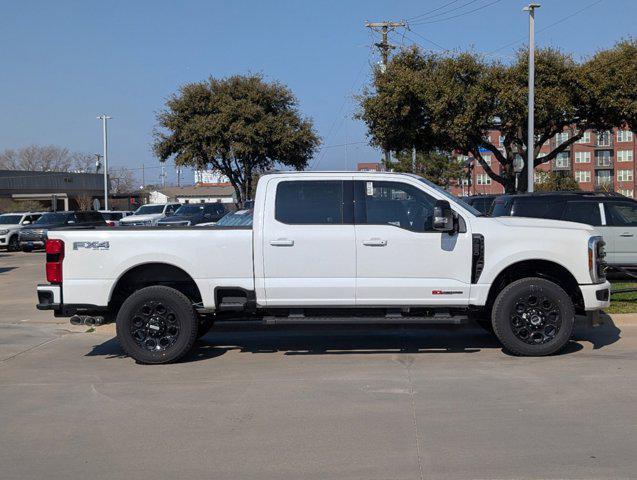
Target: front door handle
375	242
626	235
282	242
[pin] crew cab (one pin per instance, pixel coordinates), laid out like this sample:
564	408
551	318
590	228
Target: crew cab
328	247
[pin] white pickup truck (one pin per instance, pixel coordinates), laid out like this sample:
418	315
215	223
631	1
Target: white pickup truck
329	247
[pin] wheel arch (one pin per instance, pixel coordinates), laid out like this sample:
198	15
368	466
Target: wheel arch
149	274
542	268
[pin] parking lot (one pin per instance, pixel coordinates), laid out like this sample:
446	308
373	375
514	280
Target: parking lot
386	403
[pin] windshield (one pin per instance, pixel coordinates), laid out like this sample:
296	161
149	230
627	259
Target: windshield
10	219
189	209
452	198
52	218
241	218
149	209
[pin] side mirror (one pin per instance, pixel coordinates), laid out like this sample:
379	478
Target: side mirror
26	222
70	222
443	217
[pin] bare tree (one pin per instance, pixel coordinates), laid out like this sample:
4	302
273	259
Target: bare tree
46	158
84	202
122	180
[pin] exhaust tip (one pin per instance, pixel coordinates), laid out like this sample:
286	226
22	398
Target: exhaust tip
89	321
76	320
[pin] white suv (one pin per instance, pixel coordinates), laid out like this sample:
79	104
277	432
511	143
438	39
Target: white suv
10	224
149	214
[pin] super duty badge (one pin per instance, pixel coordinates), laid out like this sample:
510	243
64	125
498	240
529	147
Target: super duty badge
91	245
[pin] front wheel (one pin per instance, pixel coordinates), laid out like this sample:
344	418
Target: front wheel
157	325
14	244
533	317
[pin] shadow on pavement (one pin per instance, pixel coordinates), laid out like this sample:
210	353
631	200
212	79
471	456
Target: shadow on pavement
6	269
357	340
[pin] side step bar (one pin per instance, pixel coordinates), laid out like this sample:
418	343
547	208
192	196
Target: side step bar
303	320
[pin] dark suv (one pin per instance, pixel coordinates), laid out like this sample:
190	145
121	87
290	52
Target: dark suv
194	214
481	203
613	215
35	235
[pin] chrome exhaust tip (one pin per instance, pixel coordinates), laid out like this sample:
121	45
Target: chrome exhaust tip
76	320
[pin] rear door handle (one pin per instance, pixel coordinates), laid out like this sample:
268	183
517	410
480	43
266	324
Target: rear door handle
626	235
375	242
282	242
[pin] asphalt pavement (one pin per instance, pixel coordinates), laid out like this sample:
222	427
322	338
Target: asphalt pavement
312	403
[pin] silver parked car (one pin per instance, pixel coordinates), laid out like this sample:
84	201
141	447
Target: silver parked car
10	225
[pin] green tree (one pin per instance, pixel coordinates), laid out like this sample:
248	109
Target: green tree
450	103
437	167
240	125
553	182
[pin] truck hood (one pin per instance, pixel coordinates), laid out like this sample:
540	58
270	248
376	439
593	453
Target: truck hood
141	218
541	223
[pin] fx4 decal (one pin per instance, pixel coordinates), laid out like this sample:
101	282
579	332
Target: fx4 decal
446	292
91	245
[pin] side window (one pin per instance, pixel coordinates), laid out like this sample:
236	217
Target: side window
395	203
621	214
309	202
538	208
583	212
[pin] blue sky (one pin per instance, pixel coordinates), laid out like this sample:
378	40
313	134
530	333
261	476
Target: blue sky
64	62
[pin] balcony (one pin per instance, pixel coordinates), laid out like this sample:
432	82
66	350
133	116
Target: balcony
604	163
604	140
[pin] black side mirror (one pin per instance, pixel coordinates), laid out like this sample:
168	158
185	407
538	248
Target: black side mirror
443	217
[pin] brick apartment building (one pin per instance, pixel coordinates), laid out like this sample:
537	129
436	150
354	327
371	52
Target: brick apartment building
598	161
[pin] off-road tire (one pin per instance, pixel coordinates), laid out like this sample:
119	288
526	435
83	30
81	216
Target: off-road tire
506	303
186	321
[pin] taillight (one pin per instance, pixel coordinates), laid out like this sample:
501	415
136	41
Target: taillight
110	223
54	256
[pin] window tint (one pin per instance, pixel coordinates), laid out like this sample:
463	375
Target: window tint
500	207
583	212
90	216
538	207
309	202
398	204
621	214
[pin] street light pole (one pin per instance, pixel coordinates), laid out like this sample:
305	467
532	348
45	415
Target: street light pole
530	143
104	118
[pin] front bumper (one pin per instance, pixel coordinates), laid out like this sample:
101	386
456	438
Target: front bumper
49	297
596	296
31	244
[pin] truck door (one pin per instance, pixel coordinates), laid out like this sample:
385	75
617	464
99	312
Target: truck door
621	233
309	255
401	260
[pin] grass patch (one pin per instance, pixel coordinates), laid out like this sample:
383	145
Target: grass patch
90	330
623	302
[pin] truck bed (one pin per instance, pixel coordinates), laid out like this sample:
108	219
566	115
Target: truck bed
95	258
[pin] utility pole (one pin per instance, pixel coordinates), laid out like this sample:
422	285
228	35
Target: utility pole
385	48
104	119
163	176
98	162
530	143
143	175
178	176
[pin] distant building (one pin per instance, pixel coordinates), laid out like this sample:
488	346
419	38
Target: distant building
194	194
598	161
210	177
370	167
54	190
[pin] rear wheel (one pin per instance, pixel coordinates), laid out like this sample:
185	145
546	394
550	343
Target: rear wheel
533	317
14	244
157	325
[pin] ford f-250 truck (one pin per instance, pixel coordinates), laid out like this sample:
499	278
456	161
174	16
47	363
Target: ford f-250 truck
332	247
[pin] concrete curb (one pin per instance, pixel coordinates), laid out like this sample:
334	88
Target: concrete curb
623	319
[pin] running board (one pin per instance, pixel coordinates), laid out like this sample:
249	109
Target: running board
390	319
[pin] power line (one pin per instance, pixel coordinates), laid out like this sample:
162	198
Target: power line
434	10
427	40
447	12
557	22
458	15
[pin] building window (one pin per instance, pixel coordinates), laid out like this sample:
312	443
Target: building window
582	176
462	158
603	139
586	138
518	163
560	138
625	175
483	179
627	193
624	136
603	158
624	155
582	157
501	140
562	160
604	178
487	159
